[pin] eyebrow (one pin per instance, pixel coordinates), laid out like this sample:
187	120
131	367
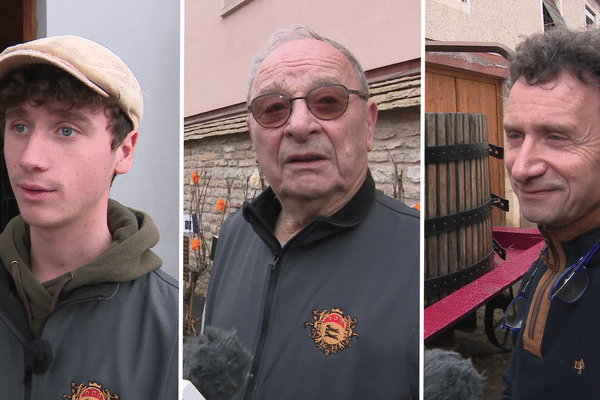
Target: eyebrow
71	114
277	88
540	126
15	113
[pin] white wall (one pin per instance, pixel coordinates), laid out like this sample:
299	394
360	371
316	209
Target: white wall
219	50
506	21
145	34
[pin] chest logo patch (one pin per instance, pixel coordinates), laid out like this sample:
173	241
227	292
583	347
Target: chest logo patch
579	366
93	391
332	331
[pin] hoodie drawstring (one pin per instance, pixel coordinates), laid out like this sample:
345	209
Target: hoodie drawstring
17	278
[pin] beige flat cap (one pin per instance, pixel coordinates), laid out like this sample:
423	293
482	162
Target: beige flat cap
94	65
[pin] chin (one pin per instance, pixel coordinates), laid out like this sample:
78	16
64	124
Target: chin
544	220
306	193
40	219
314	187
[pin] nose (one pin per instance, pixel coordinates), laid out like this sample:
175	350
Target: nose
525	162
35	152
301	122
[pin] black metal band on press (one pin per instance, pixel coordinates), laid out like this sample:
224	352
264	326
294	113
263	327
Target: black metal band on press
454	221
460	278
456	152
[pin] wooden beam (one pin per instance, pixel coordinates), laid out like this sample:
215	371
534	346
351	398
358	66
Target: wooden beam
30	22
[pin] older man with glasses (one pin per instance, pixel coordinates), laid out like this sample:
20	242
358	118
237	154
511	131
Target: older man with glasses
320	274
552	126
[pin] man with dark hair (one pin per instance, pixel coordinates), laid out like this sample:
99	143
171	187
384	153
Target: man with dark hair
552	125
85	311
320	274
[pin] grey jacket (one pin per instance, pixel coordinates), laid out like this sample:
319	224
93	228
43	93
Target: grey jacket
334	313
118	335
111	327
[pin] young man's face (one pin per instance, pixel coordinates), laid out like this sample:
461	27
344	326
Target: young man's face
60	162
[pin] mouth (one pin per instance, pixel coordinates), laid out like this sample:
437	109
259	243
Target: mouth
34	191
535	192
34	188
304	158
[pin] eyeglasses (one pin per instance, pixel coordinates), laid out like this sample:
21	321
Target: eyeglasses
573	281
513	320
325	102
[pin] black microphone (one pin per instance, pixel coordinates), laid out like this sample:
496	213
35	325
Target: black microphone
448	376
38	356
216	363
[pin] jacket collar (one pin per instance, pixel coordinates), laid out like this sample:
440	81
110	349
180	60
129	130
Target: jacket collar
558	239
565	245
262	214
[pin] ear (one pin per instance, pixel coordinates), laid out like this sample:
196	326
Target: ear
250	130
249	125
371	120
125	153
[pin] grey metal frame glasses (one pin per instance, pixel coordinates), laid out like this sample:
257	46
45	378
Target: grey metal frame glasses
326	102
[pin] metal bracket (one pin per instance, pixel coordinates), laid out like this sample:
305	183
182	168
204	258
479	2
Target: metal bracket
497	152
501	251
500	202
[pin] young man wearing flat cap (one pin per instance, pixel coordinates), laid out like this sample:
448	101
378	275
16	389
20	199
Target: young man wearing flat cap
85	311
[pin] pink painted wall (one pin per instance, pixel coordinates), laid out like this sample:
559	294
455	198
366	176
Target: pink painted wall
219	50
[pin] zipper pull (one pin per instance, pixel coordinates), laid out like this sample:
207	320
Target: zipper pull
273	264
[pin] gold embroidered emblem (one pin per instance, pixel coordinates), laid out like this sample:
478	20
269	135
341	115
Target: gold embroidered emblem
579	366
332	331
93	391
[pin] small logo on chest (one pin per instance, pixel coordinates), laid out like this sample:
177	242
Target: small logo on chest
332	331
579	366
93	391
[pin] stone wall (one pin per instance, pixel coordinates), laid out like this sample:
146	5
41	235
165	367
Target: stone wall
398	131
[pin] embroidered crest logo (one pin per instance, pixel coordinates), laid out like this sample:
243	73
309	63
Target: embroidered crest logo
93	391
332	331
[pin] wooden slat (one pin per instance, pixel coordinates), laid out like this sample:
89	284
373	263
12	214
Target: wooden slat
431	252
442	200
453	182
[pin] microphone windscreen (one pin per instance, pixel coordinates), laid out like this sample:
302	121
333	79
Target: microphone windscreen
216	363
38	356
448	376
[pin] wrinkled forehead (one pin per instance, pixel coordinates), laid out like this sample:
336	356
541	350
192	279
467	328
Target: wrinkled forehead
566	88
300	65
